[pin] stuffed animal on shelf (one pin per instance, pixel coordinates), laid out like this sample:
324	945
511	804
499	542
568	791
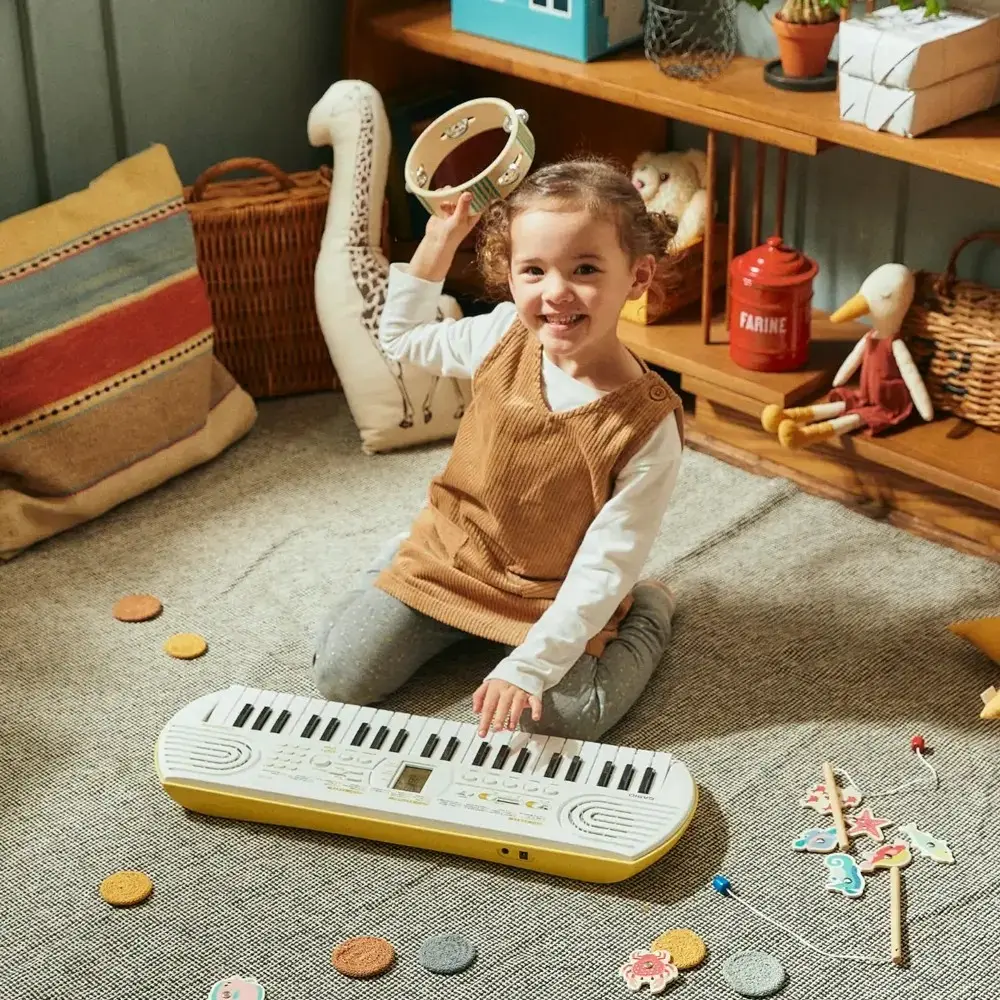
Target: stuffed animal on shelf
674	184
890	386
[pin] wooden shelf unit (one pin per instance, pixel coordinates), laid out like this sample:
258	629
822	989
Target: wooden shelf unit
738	103
941	479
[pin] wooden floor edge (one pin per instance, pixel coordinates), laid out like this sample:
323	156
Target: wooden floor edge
747	460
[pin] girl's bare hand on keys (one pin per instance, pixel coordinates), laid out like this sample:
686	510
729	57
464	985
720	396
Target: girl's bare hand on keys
499	704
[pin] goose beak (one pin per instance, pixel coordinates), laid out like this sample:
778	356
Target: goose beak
855	306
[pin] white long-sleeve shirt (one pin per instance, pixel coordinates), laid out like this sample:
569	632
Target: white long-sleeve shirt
618	541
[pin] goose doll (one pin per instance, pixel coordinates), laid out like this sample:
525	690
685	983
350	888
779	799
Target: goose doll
890	386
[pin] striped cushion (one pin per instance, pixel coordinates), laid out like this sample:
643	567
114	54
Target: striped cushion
108	385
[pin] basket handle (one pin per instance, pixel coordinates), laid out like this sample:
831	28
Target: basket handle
239	163
948	278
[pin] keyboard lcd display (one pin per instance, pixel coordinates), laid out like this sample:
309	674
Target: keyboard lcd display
411	779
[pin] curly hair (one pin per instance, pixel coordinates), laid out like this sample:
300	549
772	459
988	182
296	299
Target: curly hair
594	184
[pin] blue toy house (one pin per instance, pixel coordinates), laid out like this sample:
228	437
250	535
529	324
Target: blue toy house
577	29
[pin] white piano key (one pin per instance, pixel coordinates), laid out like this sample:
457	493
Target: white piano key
623	757
363	715
421	730
344	714
475	743
279	705
661	765
315	706
605	755
642	760
452	730
265	699
220	713
297	717
498	741
381	719
571	749
535	745
248	697
553	745
400	722
588	753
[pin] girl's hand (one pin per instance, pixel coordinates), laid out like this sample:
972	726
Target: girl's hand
455	225
500	703
442	238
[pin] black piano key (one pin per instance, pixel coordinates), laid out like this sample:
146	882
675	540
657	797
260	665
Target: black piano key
522	760
430	746
647	781
380	737
359	736
397	744
626	778
283	716
501	758
245	712
574	769
331	727
450	747
265	714
310	726
481	754
606	773
554	761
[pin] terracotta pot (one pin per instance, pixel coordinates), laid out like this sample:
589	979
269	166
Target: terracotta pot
804	47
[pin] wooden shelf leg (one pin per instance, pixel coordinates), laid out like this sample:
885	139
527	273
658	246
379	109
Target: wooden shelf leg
779	205
758	194
735	167
706	272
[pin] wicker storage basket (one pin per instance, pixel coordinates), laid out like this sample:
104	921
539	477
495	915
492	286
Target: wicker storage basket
953	330
677	280
258	240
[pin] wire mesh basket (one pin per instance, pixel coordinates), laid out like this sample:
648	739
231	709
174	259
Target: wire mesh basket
690	39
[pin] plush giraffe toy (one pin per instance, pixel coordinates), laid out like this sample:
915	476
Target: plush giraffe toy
890	386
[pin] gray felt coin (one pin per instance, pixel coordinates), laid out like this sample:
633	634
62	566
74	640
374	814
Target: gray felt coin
753	973
447	953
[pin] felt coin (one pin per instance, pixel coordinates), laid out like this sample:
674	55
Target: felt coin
185	645
137	608
686	949
753	973
447	953
363	957
126	888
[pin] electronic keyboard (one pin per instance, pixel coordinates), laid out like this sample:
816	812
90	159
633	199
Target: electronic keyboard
581	810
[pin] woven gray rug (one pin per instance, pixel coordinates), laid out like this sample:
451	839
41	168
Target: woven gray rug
804	632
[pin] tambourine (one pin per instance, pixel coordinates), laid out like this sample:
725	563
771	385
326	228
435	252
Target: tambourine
458	126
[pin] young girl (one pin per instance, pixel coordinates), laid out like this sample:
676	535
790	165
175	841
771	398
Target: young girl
536	532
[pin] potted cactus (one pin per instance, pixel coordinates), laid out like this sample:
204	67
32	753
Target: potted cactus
805	30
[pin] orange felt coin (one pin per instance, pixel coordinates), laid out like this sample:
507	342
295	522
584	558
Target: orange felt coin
686	949
363	957
126	888
185	645
137	608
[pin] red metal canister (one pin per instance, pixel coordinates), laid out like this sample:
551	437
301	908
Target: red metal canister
770	312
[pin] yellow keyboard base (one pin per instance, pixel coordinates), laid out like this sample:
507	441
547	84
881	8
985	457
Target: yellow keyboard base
566	864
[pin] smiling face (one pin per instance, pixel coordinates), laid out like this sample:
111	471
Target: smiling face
569	279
